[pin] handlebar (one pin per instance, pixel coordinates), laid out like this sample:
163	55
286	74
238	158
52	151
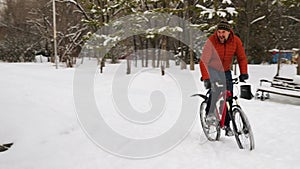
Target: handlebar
234	81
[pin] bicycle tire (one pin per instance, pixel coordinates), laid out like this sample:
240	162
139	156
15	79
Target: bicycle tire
242	129
212	132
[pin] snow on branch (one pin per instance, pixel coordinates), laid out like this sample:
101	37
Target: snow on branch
291	17
167	28
208	11
220	12
71	1
226	1
80	8
231	10
258	19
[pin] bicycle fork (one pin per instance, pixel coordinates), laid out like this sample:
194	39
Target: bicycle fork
226	108
224	112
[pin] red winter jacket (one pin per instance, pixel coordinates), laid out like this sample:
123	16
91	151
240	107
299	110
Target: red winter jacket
219	55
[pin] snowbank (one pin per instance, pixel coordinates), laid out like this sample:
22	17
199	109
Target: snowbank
41	59
38	115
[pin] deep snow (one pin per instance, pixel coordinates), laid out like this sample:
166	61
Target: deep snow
38	115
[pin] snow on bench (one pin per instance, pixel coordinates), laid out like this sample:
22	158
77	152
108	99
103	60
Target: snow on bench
280	85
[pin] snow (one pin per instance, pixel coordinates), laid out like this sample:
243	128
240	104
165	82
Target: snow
210	13
41	59
166	28
220	12
38	113
72	1
93	11
232	11
226	1
296	79
274	2
107	39
258	19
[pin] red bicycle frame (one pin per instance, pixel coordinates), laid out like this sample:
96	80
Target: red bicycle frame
225	95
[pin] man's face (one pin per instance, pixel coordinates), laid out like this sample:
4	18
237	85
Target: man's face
222	35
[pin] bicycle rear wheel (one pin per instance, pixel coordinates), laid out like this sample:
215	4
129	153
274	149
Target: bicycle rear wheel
242	129
211	131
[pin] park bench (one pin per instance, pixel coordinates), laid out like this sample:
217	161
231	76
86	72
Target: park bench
279	85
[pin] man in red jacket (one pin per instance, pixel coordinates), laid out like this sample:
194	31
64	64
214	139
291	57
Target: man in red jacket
216	60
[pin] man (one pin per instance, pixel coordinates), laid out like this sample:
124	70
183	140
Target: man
216	60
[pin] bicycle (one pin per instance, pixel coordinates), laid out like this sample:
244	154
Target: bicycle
239	121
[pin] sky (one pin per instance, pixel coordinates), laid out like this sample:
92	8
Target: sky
41	112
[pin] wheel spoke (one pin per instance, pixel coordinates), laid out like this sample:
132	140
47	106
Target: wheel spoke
243	132
210	128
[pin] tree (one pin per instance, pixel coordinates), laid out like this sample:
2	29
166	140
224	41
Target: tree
261	24
265	25
19	41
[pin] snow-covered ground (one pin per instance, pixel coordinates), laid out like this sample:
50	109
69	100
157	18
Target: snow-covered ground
38	114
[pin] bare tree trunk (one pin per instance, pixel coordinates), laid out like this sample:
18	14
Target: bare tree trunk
163	54
191	52
190	48
147	52
167	54
143	52
128	65
234	68
298	67
102	65
162	67
135	60
158	43
182	62
153	57
278	63
142	55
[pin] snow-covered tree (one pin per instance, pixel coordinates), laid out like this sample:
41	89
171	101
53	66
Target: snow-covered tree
18	40
261	24
210	12
265	25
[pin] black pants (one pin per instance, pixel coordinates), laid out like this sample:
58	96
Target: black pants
217	76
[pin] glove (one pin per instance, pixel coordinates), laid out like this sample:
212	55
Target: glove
243	77
207	84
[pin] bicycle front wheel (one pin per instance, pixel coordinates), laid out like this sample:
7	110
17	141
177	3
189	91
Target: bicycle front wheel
211	131
242	129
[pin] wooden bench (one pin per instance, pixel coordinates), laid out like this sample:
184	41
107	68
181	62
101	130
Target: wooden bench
280	85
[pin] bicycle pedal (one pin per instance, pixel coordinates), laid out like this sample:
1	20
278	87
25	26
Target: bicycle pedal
228	132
